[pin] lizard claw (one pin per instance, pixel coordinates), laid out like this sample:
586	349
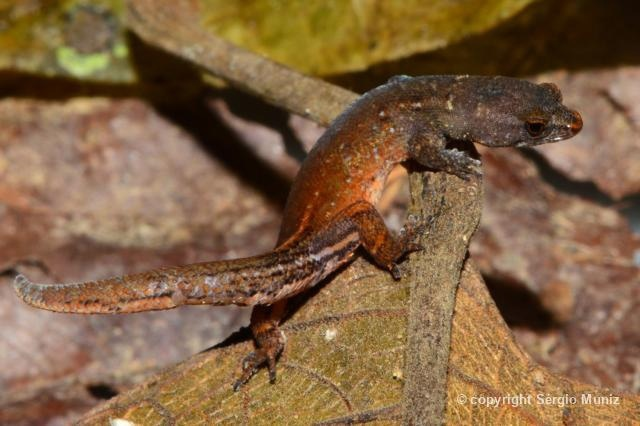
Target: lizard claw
271	365
413	228
395	272
461	164
473	168
250	365
267	354
408	244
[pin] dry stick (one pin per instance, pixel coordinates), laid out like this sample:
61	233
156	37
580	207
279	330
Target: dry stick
452	205
452	210
173	27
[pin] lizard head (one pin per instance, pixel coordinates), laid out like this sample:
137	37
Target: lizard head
503	111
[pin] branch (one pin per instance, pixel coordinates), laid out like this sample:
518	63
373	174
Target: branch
175	27
453	207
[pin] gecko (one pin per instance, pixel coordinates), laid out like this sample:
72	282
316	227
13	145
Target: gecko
331	208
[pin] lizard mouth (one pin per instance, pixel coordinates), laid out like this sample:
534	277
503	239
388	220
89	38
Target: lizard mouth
568	130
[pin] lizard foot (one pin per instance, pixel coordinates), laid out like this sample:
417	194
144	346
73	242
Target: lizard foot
269	348
461	164
410	233
408	241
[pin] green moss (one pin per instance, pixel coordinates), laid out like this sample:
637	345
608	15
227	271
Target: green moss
79	65
36	41
120	50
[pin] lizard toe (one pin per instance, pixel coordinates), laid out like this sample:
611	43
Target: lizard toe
270	346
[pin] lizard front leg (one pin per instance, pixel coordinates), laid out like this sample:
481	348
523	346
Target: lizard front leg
430	149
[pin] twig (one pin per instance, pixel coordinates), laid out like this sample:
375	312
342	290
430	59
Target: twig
452	208
174	26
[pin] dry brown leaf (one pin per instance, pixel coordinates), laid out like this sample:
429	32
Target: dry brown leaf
345	359
573	261
487	362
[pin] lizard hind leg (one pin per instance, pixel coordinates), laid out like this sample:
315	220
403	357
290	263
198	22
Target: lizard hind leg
385	248
372	233
269	341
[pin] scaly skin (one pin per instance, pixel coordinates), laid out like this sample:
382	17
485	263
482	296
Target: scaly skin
330	210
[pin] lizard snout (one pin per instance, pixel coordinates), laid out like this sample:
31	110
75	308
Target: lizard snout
576	124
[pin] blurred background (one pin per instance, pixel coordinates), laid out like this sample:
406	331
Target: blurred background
117	157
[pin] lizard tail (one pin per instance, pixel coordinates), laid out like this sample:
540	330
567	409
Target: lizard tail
258	280
105	296
250	281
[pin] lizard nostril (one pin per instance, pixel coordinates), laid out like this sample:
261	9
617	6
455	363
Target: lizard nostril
576	124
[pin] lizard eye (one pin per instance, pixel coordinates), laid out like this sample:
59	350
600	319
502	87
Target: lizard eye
535	127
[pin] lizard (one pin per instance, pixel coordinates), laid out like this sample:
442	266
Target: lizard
330	211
